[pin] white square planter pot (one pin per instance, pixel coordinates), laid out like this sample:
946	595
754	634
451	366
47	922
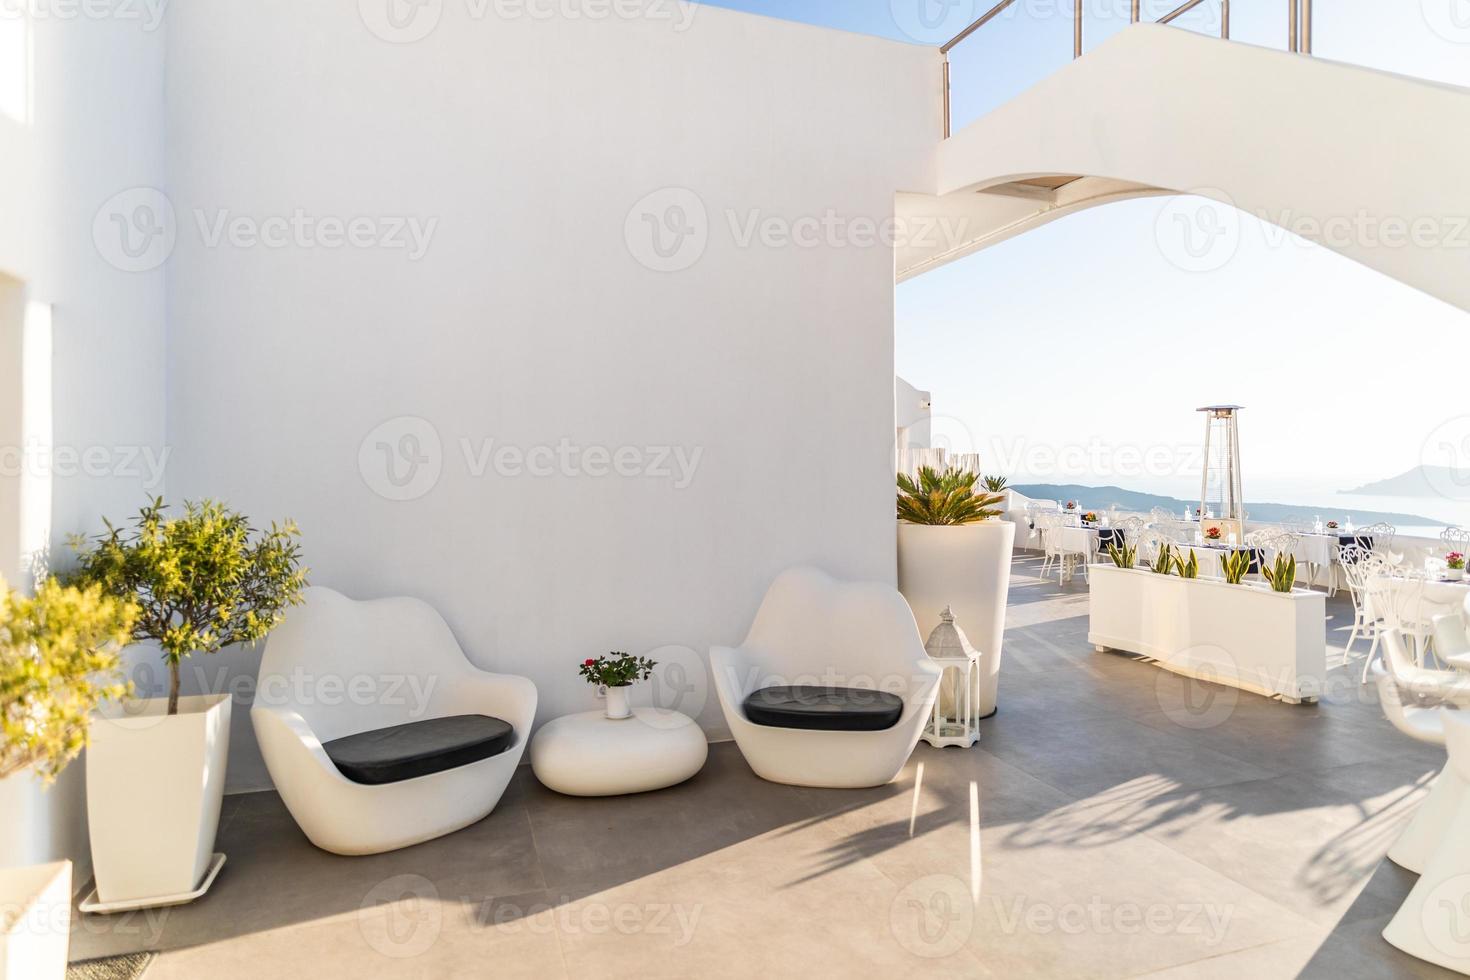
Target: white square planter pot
35	921
966	567
155	783
1246	636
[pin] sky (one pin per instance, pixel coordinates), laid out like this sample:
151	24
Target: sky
1064	353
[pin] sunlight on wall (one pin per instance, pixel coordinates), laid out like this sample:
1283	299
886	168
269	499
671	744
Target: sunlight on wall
36	427
15	65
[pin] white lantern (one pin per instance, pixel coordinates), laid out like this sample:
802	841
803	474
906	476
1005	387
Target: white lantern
954	721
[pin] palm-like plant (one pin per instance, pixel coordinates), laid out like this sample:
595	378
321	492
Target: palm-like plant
996	484
1164	560
1235	565
1281	574
1125	556
943	498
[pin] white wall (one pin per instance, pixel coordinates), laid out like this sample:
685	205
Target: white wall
93	128
912	409
531	320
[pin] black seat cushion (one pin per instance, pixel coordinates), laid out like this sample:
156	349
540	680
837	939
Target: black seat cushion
390	755
827	709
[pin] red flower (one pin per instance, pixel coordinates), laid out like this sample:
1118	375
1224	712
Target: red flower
588	663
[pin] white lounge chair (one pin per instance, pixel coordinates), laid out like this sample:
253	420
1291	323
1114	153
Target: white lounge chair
429	761
821	635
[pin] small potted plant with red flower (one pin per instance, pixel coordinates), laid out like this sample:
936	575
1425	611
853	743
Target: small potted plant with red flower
1332	525
1071	505
1213	533
1090	517
1455	561
616	673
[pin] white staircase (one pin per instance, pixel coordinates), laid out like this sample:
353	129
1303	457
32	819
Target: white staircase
1369	164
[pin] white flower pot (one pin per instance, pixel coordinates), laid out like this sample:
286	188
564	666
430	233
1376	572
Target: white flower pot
1244	635
1455	574
968	568
35	921
617	703
155	783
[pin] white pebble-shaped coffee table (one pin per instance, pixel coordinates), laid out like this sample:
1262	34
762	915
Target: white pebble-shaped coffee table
590	754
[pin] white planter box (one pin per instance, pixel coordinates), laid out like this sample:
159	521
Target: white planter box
967	568
155	783
35	921
1244	635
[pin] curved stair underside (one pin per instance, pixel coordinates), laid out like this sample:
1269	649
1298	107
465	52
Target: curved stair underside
1369	164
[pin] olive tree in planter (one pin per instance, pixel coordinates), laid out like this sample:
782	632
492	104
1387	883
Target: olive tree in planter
202	581
952	552
58	661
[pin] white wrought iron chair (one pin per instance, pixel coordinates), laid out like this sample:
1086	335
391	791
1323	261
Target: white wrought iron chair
1356	563
1044	522
1382	535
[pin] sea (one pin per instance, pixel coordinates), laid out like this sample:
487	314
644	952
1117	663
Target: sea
1314	498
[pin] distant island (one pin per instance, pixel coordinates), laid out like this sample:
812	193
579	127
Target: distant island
1421	481
1101	498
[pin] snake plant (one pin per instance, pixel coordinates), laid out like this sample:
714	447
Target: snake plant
943	498
1281	573
1124	557
1187	569
1235	565
1164	560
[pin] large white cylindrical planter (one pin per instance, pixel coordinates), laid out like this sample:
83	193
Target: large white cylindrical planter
155	783
968	568
35	921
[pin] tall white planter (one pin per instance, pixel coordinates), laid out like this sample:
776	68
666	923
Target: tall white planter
155	783
967	568
35	921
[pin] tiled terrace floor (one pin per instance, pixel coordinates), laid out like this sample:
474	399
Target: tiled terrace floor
1115	821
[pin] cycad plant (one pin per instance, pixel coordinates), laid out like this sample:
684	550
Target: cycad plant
1125	556
1235	565
1281	573
995	484
1164	560
943	498
1187	569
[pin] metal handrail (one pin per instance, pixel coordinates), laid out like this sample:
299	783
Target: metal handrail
1299	32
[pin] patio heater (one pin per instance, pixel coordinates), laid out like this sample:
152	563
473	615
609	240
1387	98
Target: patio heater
1220	493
